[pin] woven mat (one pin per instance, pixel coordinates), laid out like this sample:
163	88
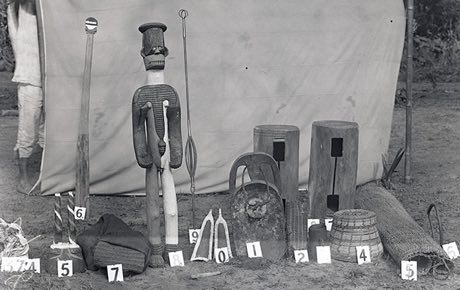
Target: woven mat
401	236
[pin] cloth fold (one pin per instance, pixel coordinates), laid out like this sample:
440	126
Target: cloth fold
111	241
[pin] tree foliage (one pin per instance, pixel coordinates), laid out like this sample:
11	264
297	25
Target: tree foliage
436	40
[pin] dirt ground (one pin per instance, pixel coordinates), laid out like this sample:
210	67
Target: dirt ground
436	173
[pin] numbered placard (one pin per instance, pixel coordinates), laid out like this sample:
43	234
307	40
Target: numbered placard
176	259
323	254
65	268
301	256
363	254
193	235
115	273
254	250
328	223
311	222
221	255
79	213
20	264
451	249
409	270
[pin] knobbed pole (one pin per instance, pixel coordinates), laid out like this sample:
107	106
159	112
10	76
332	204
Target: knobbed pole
82	163
409	79
190	148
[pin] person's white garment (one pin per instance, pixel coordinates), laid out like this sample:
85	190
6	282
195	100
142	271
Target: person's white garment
23	32
31	125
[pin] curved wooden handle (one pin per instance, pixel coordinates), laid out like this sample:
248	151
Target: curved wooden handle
253	162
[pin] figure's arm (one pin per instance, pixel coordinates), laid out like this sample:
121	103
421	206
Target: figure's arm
146	148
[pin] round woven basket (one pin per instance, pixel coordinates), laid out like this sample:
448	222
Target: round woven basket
352	228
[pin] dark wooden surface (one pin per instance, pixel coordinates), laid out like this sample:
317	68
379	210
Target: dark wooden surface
264	138
82	164
322	165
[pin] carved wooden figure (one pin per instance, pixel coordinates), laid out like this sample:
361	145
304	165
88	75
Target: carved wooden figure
156	110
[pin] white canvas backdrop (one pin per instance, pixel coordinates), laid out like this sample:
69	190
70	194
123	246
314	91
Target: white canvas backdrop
251	62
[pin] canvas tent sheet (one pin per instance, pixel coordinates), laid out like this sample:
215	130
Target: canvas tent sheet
251	62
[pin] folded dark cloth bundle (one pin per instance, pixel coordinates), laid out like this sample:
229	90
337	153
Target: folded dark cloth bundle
111	241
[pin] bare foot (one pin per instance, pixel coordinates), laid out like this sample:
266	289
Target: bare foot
156	261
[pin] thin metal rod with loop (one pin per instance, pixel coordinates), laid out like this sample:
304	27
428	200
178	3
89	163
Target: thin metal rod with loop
190	148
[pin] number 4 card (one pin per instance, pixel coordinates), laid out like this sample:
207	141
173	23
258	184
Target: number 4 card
363	254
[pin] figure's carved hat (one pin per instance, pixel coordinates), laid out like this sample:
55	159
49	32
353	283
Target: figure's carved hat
153	50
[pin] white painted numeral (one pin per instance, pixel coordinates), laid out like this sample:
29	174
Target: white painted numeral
20	264
254	250
115	272
193	235
32	265
328	223
221	255
363	254
451	249
65	268
80	213
409	270
13	264
176	259
323	254
301	256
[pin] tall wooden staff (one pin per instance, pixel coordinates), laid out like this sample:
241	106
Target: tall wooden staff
409	77
82	166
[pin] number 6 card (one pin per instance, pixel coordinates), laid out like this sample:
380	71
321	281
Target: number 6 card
80	213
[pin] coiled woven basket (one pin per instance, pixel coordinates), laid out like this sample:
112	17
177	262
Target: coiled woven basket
352	228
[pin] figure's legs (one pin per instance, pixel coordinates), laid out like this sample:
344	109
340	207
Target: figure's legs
169	193
153	216
30	101
170	210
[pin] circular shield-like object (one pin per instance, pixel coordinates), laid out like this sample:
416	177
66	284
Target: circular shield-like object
352	228
258	216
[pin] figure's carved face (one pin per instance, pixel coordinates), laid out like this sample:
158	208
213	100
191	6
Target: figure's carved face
153	50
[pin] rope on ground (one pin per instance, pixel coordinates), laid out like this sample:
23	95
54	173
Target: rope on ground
12	240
